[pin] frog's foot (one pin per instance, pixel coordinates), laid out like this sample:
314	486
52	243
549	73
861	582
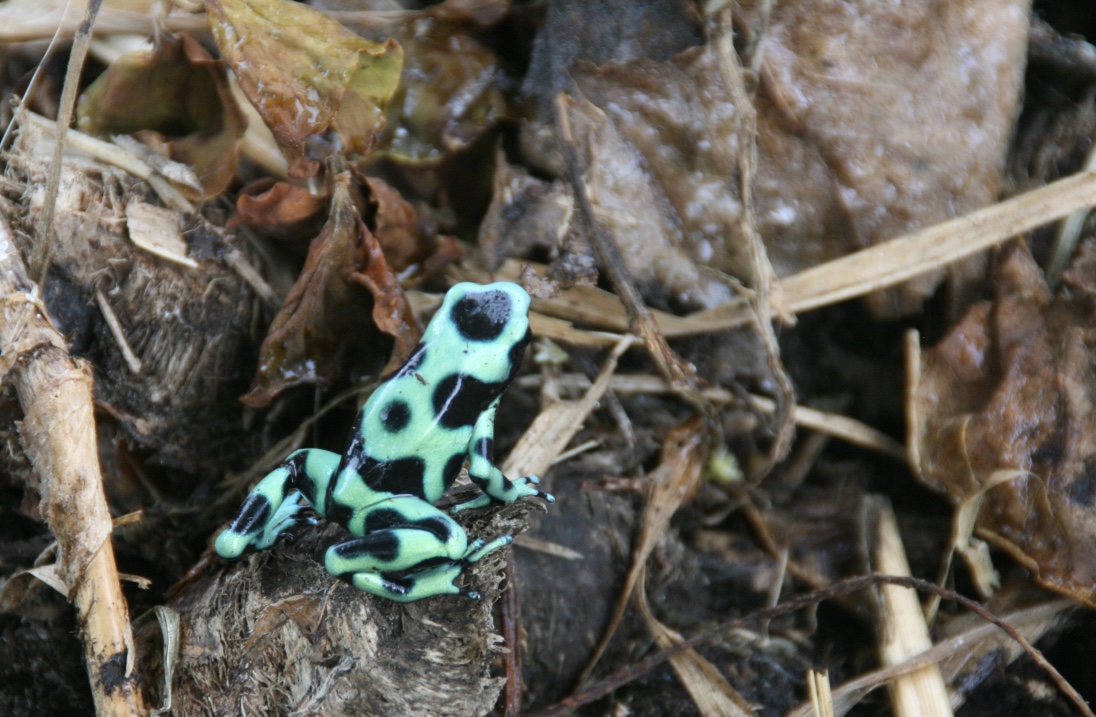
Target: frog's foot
513	490
256	528
284	519
477	549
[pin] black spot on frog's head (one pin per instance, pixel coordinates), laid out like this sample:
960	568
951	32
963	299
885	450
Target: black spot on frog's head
395	415
482	316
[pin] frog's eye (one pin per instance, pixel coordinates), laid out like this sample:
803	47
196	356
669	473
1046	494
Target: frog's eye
482	316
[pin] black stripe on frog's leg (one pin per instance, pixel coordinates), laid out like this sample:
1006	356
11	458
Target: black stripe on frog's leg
384	518
252	516
482	316
397	583
485	447
383	546
460	399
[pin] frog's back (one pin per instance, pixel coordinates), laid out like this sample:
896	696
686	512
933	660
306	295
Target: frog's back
418	424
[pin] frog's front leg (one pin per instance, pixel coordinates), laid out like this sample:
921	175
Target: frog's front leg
485	474
410	550
271	507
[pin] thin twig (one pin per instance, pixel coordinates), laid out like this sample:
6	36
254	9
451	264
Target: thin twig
44	232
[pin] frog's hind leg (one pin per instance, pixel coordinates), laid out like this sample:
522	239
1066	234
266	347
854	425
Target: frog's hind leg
272	506
408	550
431	581
439	580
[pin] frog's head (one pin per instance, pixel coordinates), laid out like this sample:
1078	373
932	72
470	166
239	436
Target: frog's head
496	315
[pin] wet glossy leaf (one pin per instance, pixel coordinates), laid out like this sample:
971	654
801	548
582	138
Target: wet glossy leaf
1005	414
306	74
324	324
452	91
178	99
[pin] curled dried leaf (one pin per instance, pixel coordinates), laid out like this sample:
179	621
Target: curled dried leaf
322	322
177	99
279	209
306	74
1004	414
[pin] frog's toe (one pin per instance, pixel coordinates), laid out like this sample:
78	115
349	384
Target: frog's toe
471	594
547	496
231	544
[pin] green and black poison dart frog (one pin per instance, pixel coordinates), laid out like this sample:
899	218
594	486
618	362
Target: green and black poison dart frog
407	447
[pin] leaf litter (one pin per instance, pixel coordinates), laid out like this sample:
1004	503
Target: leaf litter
625	165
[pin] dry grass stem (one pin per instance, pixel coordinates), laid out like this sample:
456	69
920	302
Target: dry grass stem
556	425
117	332
951	654
818	683
58	434
831	424
903	632
29	21
684	456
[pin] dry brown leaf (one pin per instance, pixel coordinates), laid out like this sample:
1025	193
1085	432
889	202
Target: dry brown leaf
1009	393
451	92
279	209
875	120
306	74
397	226
322	321
660	146
177	98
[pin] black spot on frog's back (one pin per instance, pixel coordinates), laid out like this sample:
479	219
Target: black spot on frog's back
400	476
459	399
395	415
1082	491
482	316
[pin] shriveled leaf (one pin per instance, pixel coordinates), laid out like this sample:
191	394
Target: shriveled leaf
878	119
661	146
525	213
406	240
452	91
1004	413
279	209
178	99
324	322
306	74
